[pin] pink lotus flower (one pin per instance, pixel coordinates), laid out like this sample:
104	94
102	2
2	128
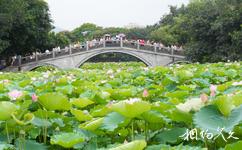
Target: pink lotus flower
34	98
15	94
213	89
204	97
145	93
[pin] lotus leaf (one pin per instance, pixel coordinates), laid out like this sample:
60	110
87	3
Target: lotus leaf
67	140
54	101
92	125
131	108
81	115
224	104
6	110
234	146
134	145
81	102
210	118
112	120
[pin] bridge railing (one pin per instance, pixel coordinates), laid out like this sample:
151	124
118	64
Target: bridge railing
94	45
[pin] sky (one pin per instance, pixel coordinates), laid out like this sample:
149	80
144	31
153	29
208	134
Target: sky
69	14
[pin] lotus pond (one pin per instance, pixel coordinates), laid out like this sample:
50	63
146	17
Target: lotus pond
123	106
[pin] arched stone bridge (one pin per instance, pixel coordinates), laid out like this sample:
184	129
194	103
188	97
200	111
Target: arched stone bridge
75	57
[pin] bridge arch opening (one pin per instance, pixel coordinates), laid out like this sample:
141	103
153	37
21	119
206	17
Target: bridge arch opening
43	67
113	57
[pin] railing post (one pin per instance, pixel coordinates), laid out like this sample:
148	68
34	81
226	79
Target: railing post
138	45
36	56
70	50
53	53
121	42
155	47
19	60
87	45
172	53
104	43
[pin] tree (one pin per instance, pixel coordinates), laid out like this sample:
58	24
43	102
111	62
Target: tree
209	29
85	32
25	25
214	27
57	39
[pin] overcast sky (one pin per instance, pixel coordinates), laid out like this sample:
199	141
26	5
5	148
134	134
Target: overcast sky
69	14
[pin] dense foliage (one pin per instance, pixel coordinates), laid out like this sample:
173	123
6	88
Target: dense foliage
121	106
25	25
210	30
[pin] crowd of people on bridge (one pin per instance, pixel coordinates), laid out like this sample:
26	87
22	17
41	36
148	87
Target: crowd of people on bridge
99	41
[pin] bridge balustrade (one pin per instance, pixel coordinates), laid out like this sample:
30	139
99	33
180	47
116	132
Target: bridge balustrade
179	52
163	50
78	49
15	63
43	56
96	45
62	52
26	60
112	44
147	47
128	44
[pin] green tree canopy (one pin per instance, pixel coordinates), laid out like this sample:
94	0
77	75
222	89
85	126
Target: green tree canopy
25	25
210	30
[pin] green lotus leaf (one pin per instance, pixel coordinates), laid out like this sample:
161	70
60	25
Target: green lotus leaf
92	125
6	110
134	145
170	136
153	116
187	87
100	111
201	82
180	116
64	89
31	145
237	99
234	146
131	108
2	88
111	121
169	79
231	73
67	140
184	75
80	115
5	146
179	147
81	102
224	104
54	101
102	97
177	94
121	94
62	81
41	122
210	118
